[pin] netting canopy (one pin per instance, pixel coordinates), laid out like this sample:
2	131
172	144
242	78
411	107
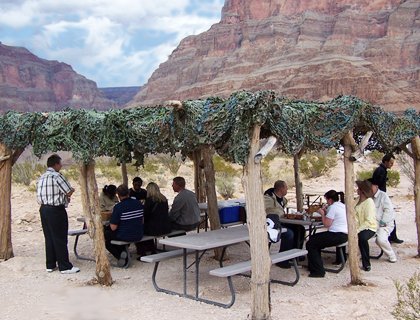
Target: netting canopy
223	123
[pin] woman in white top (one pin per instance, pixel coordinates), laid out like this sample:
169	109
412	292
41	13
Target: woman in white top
334	218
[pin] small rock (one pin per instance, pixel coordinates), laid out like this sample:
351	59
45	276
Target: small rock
29	229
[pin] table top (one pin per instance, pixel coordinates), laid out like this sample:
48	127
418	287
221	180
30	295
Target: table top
301	222
210	239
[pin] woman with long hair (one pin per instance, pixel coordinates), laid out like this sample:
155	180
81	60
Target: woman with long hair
334	218
156	220
365	219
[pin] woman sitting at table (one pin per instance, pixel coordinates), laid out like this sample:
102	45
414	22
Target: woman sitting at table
365	219
334	218
108	198
156	220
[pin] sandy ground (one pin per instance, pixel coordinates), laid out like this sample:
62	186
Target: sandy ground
28	291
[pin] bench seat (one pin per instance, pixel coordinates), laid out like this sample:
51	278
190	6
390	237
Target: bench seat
158	257
77	232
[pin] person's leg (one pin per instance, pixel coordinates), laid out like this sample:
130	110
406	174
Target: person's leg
286	243
59	227
51	260
382	235
363	238
113	249
298	234
393	236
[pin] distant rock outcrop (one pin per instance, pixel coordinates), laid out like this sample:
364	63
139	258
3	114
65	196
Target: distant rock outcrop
305	49
120	95
28	83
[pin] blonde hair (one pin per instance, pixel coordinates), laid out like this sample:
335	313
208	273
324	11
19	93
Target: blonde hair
154	193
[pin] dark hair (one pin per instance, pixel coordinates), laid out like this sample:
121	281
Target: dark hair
138	179
387	157
53	160
279	184
334	195
110	190
365	187
122	190
180	181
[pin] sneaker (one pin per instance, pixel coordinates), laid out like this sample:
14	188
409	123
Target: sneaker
398	241
51	270
316	275
392	260
69	271
367	269
122	261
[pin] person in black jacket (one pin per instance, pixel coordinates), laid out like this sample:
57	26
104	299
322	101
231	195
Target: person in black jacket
156	219
380	177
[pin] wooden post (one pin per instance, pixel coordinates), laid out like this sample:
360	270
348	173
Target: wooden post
256	218
124	173
199	184
349	143
90	202
212	209
6	248
298	183
415	146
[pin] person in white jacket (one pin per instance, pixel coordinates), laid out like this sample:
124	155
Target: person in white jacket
385	216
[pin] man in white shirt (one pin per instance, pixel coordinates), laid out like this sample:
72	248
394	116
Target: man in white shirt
385	216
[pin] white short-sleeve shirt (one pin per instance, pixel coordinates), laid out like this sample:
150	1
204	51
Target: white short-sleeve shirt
337	213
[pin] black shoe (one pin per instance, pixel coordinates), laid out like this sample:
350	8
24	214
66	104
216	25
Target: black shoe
398	241
316	275
367	269
283	265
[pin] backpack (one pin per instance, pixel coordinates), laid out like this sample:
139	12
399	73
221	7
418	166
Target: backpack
273	228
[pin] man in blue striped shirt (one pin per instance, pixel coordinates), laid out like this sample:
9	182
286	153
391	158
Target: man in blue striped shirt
53	194
126	224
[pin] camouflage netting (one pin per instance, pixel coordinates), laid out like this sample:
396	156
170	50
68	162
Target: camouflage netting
224	123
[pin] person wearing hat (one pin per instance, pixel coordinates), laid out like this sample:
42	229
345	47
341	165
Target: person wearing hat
365	219
385	216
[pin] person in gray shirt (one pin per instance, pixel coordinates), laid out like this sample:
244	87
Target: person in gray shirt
185	213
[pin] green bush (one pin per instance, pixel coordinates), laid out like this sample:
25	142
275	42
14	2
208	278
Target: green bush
408	295
172	163
26	172
71	172
316	164
393	177
376	156
225	187
225	174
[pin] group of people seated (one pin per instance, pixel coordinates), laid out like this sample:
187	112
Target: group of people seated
137	212
374	216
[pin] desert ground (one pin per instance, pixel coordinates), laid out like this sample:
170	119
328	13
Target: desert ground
28	291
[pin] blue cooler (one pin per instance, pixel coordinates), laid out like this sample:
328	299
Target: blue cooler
229	214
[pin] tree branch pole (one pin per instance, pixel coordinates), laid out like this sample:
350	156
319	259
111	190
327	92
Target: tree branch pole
298	182
349	144
90	202
415	146
124	173
256	218
6	248
212	209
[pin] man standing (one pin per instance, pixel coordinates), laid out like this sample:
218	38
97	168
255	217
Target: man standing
53	194
185	212
126	224
137	191
385	217
275	203
380	177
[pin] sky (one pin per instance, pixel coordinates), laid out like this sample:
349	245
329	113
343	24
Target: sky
115	43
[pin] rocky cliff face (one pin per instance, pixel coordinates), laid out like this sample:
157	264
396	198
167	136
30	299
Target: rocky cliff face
28	83
305	49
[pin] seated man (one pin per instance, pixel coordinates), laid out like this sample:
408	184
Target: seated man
275	203
385	216
137	192
126	224
185	213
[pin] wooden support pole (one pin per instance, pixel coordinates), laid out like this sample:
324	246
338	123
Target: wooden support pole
124	173
199	180
298	183
355	276
90	203
6	248
256	218
415	146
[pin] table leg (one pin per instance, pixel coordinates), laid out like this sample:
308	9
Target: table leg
197	270
184	260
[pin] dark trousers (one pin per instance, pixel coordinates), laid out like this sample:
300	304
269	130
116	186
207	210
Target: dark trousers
393	236
298	234
176	226
320	241
112	248
55	226
364	236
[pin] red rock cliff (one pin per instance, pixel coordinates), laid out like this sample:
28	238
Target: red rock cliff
306	49
28	83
